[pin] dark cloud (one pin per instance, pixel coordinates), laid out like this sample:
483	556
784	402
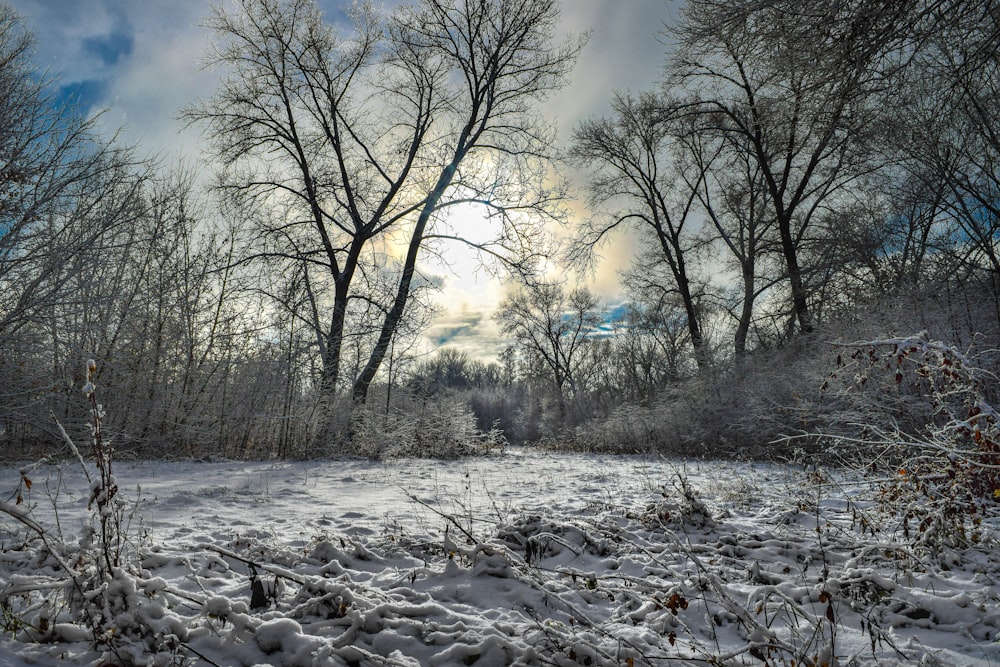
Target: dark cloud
453	326
109	48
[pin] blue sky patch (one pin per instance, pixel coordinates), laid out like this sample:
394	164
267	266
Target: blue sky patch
82	95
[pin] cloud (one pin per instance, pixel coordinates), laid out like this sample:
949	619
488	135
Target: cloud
82	95
473	332
138	61
81	40
624	52
453	325
163	75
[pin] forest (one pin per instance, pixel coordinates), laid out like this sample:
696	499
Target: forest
226	443
805	176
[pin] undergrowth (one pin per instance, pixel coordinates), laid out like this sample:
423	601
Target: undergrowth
98	592
939	467
870	549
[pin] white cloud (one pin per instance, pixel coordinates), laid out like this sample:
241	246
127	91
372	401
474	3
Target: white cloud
139	61
623	53
163	75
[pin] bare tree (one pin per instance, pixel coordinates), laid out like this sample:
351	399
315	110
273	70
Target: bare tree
63	194
949	133
339	141
650	347
639	174
554	324
733	195
797	86
51	160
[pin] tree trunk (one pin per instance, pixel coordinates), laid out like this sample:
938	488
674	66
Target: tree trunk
746	314
395	314
694	327
673	252
334	344
335	335
800	304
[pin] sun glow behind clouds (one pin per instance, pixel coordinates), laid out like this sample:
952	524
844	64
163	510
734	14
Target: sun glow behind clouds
470	285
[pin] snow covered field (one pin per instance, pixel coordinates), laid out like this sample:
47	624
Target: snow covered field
522	559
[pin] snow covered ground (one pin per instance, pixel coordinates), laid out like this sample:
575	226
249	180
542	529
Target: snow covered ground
527	558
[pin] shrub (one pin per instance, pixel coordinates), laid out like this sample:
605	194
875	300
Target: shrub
945	473
442	428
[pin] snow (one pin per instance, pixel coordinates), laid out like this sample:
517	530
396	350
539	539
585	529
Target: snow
527	558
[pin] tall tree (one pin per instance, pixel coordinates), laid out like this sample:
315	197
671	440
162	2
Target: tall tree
502	59
797	85
342	141
639	175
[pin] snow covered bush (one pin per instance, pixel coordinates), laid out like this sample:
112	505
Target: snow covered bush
945	472
442	428
742	413
628	428
679	508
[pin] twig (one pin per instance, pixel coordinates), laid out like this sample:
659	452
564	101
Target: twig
276	571
441	514
73	448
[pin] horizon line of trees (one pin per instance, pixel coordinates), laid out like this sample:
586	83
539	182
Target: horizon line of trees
804	169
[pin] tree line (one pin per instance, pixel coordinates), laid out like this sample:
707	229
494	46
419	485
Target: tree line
804	172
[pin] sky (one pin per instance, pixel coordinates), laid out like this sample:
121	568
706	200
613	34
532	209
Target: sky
141	60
